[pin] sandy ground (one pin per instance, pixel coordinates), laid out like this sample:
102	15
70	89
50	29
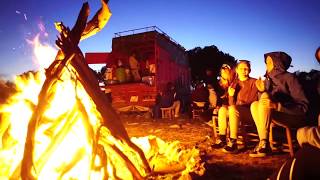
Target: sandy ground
190	133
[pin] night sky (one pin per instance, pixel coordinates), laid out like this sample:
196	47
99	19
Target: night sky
246	29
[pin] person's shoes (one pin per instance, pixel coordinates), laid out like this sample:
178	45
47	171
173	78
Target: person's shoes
261	150
219	144
231	147
176	115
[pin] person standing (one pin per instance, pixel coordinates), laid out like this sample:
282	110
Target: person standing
134	66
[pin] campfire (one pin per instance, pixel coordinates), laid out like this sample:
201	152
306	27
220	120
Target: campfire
60	125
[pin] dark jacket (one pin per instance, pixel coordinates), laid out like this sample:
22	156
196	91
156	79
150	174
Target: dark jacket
200	94
283	86
167	99
223	97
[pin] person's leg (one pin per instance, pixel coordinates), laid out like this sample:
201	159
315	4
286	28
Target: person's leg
255	115
222	125
261	113
234	117
136	75
241	114
292	120
156	111
176	106
222	120
264	114
309	135
237	114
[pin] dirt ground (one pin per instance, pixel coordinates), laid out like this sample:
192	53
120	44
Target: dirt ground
190	133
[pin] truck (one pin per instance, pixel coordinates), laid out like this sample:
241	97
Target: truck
163	58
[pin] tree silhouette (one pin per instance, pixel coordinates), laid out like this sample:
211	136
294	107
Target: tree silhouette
207	58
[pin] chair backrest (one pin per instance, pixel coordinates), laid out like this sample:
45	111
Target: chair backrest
199	104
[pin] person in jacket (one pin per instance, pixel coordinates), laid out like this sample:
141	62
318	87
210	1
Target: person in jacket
227	77
302	165
241	95
282	98
200	97
165	99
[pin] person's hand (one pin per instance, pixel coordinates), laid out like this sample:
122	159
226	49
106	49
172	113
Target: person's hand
260	84
266	102
231	91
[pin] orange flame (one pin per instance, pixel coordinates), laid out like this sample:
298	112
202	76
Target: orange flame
44	53
63	139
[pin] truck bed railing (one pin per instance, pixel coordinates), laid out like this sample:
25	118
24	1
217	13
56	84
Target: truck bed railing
146	29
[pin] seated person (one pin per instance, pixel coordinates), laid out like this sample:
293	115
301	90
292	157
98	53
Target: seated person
212	97
165	100
303	164
127	71
241	94
283	99
144	67
200	97
227	77
108	74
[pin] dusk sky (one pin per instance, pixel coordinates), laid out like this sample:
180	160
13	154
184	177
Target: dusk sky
246	29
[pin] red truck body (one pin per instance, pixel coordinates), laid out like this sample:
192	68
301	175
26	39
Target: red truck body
168	57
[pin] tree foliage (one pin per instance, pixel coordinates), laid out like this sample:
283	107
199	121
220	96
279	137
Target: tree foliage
207	58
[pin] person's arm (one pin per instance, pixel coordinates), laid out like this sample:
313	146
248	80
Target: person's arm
213	98
309	135
260	84
231	95
297	93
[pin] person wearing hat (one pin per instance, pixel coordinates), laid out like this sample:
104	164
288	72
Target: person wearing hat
227	77
282	98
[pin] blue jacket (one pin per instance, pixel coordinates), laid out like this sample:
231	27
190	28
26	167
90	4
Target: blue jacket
283	86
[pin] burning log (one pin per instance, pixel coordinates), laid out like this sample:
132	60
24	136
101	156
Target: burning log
72	55
101	147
